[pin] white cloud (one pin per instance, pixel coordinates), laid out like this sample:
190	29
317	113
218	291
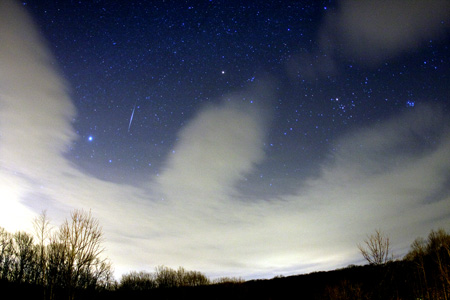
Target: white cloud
35	112
215	150
369	184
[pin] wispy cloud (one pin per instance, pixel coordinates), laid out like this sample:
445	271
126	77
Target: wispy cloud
369	33
381	176
35	111
373	31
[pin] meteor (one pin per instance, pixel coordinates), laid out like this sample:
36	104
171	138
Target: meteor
131	118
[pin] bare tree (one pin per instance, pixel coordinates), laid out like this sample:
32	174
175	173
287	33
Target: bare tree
60	261
80	240
6	253
56	266
138	281
439	249
166	277
432	258
190	278
228	280
163	277
24	257
102	274
42	231
376	249
417	255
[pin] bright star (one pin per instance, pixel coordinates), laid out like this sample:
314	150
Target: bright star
90	138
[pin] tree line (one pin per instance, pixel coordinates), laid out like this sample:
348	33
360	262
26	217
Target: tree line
431	258
423	273
60	260
66	259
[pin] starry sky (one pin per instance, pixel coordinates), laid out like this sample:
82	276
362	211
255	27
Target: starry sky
236	138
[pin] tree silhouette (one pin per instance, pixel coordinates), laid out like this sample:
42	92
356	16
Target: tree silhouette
79	238
24	257
377	248
6	254
42	230
138	281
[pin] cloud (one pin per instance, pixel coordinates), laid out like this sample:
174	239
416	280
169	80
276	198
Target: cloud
215	150
35	112
392	143
33	95
384	175
36	131
370	32
381	176
373	31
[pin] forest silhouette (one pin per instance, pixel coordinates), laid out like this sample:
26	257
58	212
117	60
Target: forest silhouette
67	262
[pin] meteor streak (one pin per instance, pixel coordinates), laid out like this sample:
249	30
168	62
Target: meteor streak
131	118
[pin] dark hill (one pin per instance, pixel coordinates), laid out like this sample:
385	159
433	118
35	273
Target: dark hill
394	280
389	281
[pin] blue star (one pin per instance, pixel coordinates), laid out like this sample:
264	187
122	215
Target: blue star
410	103
90	138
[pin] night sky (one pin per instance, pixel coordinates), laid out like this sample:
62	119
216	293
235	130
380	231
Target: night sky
236	138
